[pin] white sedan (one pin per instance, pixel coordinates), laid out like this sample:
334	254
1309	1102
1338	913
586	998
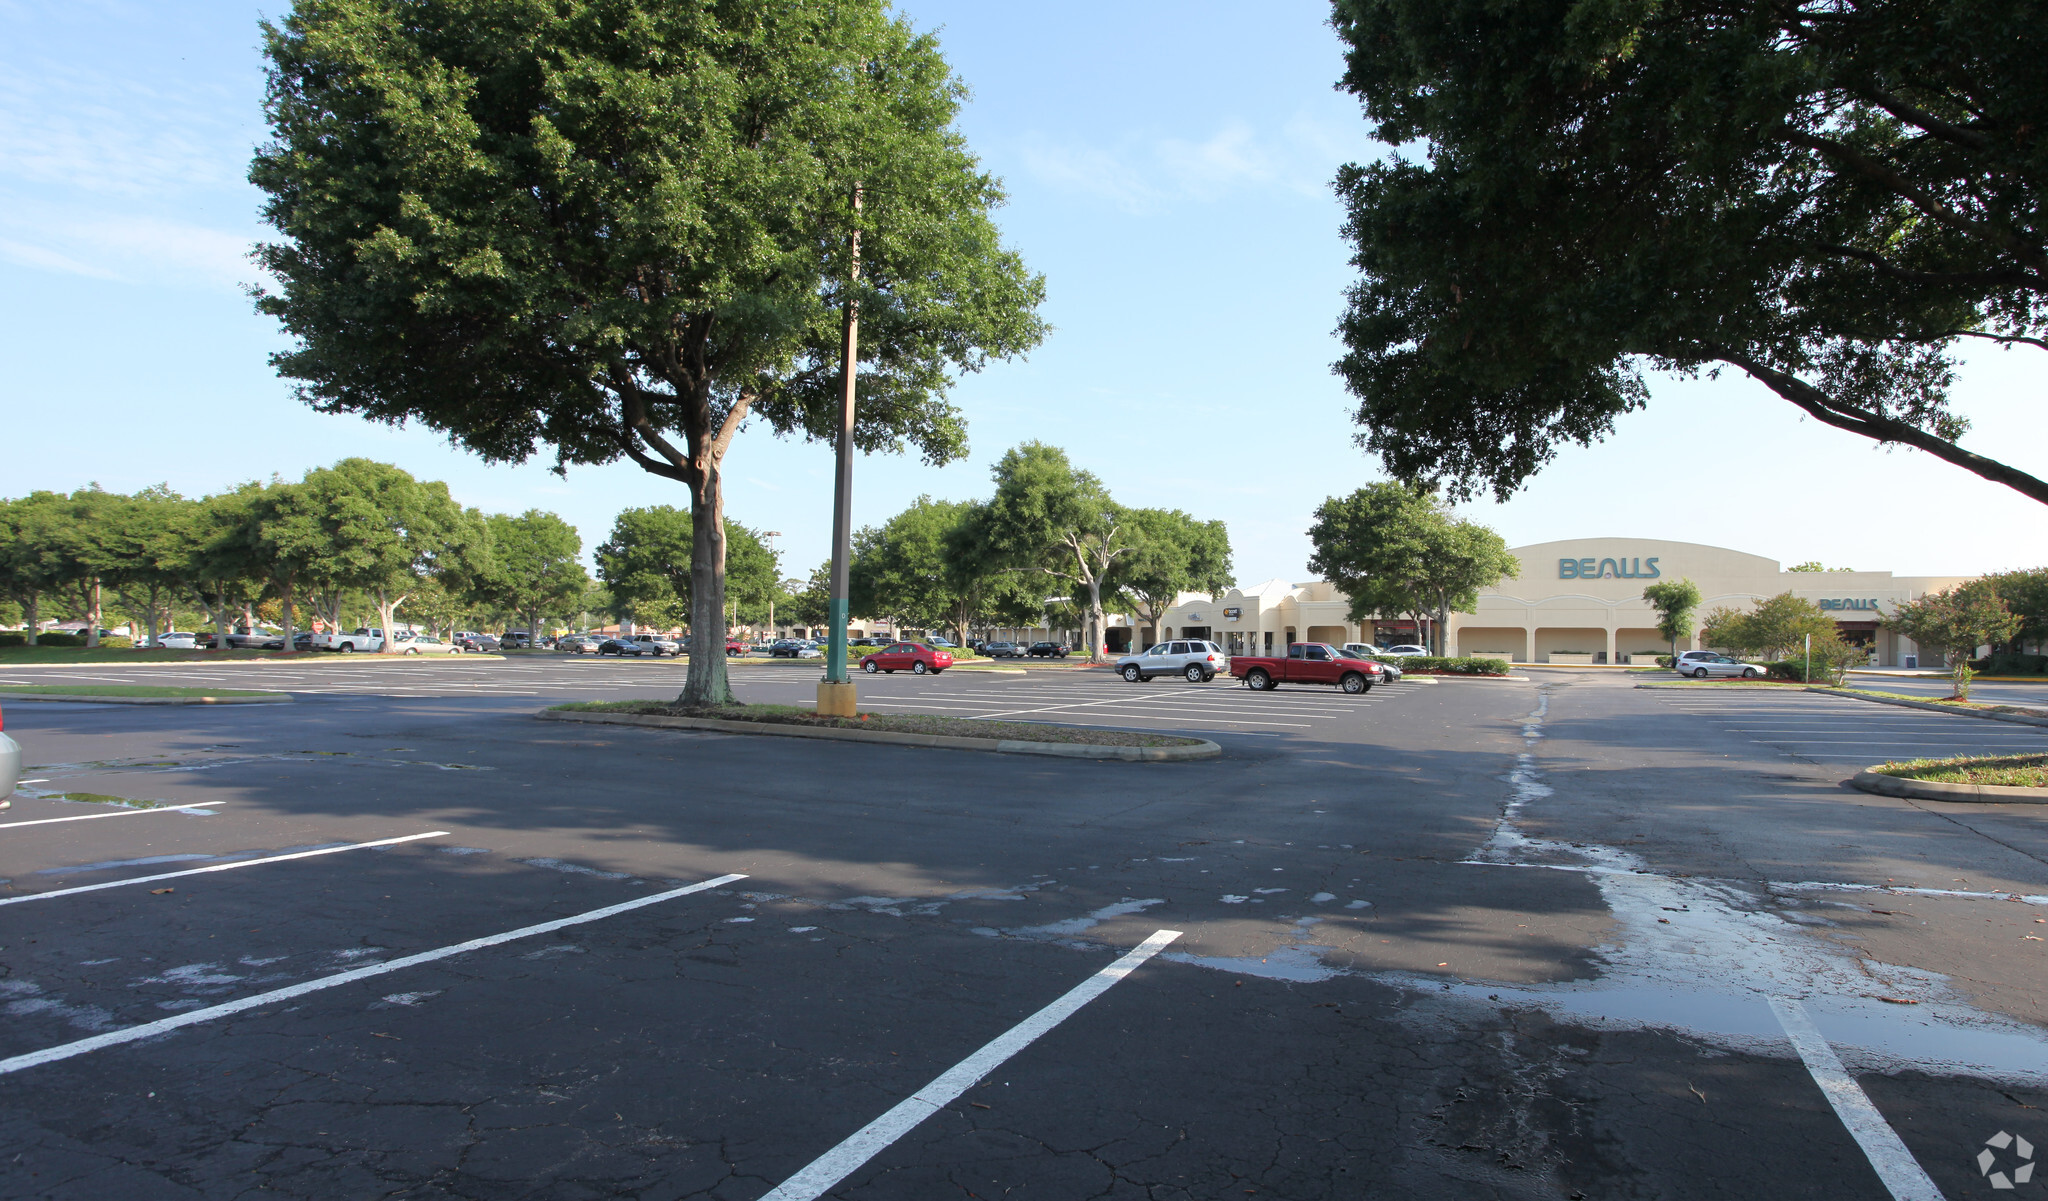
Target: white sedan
1396	652
1701	664
176	641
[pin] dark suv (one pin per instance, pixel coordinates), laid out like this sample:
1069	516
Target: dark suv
1048	650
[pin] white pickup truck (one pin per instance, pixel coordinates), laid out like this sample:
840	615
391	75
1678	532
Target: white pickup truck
361	640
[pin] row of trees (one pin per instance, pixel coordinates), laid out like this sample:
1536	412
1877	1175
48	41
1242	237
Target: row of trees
2003	612
1049	537
359	532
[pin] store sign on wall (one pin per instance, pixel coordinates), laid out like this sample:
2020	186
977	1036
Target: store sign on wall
1232	613
1608	569
1847	603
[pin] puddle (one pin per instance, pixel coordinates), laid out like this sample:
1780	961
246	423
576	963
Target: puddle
574	869
106	864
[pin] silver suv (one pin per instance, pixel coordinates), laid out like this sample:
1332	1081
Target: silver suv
1199	661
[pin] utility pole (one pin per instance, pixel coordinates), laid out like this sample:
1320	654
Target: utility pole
771	536
836	693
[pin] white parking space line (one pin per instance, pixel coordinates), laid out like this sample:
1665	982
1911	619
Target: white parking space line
114	1038
1901	1173
86	817
841	1161
219	867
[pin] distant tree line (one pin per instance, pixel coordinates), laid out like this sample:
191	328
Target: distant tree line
1049	542
356	538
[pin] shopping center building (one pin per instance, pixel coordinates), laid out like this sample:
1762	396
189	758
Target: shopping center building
1577	601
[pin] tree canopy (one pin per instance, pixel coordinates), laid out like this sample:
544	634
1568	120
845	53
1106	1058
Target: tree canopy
1675	602
622	228
534	567
1049	517
646	561
1172	553
1773	627
1955	622
1396	549
1829	197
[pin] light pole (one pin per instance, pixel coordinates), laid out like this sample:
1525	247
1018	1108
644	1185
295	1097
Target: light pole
771	536
835	692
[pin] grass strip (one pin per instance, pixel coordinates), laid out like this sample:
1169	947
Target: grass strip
2003	771
893	723
1949	702
125	690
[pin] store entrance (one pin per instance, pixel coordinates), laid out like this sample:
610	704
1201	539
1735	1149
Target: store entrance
1862	635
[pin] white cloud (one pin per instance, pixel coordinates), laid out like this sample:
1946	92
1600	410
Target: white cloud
1144	174
129	247
49	260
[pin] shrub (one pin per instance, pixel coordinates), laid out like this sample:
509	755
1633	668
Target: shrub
13	639
59	640
1666	661
1466	665
2011	663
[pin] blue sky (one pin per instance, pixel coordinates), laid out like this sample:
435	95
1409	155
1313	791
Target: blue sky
1168	168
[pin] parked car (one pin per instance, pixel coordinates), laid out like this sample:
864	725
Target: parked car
1199	661
794	648
515	640
1001	650
916	658
174	640
941	643
1701	664
303	640
1049	650
475	642
359	640
10	765
1384	670
734	646
1306	663
579	644
256	639
420	644
1395	652
658	646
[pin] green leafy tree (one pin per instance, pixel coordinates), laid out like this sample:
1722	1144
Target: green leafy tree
1675	602
1396	549
1826	197
29	529
1172	553
1774	627
83	550
221	568
1047	516
2025	594
1955	622
381	530
626	228
647	562
154	538
809	605
933	566
536	566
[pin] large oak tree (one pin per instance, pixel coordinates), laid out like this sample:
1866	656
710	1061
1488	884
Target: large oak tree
1829	195
623	229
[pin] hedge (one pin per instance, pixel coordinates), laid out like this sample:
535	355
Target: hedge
2009	663
61	640
1466	665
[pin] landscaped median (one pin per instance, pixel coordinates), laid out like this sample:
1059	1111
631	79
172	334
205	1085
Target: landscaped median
2003	779
897	729
139	694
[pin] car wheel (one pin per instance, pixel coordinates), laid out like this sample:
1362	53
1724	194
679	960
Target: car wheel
1749	673
869	668
412	650
1131	673
1699	673
1353	682
1194	674
347	648
1258	680
918	668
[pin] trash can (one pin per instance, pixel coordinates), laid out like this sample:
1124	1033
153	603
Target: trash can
1912	662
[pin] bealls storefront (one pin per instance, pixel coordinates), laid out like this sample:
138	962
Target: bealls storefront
1579	601
1582	601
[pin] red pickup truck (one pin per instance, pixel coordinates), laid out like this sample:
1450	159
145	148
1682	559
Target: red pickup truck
1306	663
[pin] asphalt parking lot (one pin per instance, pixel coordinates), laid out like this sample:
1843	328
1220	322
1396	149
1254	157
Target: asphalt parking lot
1468	939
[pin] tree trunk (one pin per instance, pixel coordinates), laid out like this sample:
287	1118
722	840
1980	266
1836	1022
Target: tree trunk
707	683
287	594
92	612
1095	619
387	615
32	614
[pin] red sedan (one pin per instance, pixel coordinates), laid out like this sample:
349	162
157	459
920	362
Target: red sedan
913	657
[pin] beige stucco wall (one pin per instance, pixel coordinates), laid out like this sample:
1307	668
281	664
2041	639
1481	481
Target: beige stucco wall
1596	606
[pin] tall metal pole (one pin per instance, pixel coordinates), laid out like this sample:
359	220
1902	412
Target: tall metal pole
771	536
835	695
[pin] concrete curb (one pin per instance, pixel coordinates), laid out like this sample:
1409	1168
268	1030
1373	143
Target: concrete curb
1003	746
216	663
1936	790
277	698
2020	719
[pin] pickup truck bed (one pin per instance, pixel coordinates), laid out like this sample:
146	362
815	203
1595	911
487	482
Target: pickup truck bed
1267	672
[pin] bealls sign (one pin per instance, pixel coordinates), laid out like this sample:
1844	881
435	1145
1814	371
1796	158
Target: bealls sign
1844	603
1608	569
